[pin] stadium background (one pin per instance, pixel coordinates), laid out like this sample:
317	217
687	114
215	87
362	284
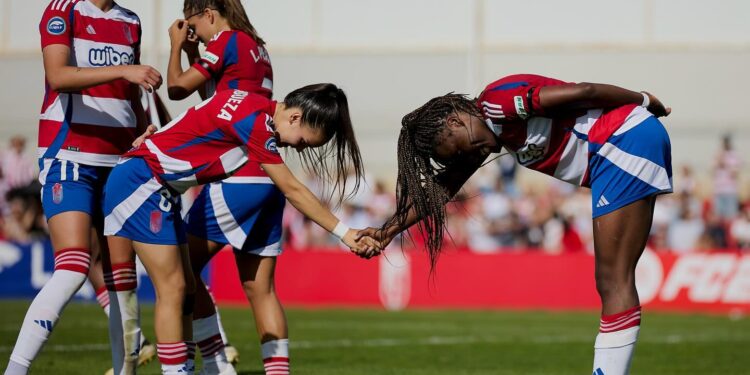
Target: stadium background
390	56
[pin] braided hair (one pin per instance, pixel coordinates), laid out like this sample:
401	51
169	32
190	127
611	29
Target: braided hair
418	186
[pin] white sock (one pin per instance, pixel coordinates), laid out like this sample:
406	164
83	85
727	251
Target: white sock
276	356
206	334
102	297
173	358
124	324
615	342
71	268
223	334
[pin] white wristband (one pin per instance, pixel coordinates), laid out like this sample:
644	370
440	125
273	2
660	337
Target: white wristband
646	100
340	230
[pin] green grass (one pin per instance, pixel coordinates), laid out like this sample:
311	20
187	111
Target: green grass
348	341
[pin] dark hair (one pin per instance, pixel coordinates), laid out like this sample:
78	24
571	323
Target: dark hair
418	185
324	106
232	10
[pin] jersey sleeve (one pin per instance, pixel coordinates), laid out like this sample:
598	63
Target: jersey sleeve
256	133
514	97
211	62
56	26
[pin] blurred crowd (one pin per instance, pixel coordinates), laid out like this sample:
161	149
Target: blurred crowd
495	212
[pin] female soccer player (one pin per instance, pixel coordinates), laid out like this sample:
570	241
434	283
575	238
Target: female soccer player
207	143
594	135
235	57
90	116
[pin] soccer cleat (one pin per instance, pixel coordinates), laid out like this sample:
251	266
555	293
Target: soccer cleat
233	355
146	355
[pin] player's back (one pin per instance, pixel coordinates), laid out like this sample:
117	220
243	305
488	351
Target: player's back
211	140
559	145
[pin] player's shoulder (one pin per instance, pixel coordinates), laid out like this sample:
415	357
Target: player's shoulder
63	7
121	13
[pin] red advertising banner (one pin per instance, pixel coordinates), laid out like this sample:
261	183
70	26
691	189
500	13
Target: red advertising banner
707	282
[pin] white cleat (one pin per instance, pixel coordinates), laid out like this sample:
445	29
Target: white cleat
145	355
233	355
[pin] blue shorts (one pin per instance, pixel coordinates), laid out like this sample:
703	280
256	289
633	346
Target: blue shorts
633	164
246	216
70	186
138	207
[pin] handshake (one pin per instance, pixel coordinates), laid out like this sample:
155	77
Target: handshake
366	243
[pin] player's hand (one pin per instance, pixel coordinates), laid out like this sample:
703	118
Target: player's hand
143	75
178	33
376	233
151	129
191	44
365	247
656	107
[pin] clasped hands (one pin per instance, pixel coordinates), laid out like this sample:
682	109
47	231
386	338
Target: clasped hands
366	243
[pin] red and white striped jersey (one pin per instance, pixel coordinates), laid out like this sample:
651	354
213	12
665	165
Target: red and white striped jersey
233	60
210	141
556	146
93	126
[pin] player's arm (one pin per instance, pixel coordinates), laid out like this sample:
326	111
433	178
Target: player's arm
182	83
63	77
309	205
560	98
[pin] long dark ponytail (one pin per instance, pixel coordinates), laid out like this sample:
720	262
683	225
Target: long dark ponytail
232	10
325	106
418	186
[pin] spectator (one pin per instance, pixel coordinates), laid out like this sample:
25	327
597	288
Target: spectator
726	174
740	229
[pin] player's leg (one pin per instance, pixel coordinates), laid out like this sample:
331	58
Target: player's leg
257	276
627	173
256	263
67	198
206	238
166	266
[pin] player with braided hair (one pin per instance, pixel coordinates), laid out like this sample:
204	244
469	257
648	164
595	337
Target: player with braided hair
599	136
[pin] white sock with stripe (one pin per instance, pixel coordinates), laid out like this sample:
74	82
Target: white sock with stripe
224	337
206	334
71	268
615	342
173	358
276	356
124	324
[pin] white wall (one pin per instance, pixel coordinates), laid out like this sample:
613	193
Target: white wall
391	56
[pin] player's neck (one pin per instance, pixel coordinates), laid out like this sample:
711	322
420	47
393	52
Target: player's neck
104	5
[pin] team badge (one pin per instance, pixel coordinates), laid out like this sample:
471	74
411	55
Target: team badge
56	26
57	193
155	222
271	145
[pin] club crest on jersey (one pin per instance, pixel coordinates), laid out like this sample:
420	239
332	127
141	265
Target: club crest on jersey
271	145
210	57
57	193
56	26
155	221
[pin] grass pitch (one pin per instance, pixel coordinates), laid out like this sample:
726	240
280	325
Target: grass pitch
348	341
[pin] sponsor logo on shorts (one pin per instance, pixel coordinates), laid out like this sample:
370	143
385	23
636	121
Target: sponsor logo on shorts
155	222
57	193
56	26
210	57
520	108
271	145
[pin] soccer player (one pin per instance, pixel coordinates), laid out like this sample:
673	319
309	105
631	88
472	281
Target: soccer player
90	116
205	144
235	57
599	136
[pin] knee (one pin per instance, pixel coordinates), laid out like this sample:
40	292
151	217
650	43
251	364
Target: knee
256	290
